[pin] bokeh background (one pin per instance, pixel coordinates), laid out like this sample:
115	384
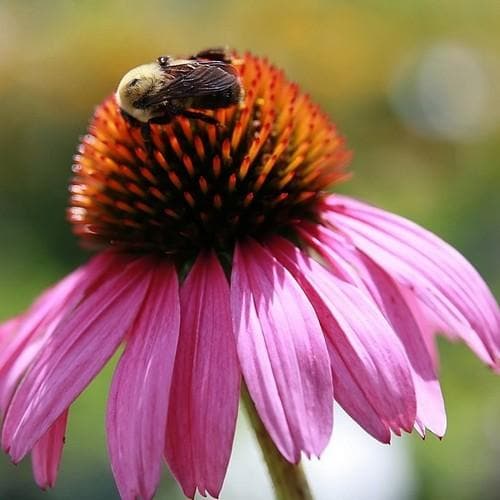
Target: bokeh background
415	87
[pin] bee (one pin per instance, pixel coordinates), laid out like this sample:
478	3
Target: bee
160	91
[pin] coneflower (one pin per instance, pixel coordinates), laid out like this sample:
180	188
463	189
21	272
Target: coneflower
226	265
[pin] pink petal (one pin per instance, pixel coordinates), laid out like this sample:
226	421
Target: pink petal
427	329
437	274
17	367
138	402
7	331
37	324
430	404
75	353
205	389
46	454
45	308
282	352
372	380
392	302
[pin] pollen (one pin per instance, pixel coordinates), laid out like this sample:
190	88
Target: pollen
266	165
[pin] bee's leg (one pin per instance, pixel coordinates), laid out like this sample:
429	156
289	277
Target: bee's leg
146	137
200	116
146	129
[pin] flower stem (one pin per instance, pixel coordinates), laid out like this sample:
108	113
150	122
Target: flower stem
289	480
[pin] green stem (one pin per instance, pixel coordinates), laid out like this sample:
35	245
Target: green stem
289	480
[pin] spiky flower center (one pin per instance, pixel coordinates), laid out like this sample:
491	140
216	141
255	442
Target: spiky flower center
260	171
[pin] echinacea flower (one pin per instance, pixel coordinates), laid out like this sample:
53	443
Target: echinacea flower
223	256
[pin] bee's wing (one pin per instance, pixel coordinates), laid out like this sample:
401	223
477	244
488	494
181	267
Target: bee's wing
203	80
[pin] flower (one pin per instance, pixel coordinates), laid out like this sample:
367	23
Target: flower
223	255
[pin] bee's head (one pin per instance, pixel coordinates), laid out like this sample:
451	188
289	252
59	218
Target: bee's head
137	84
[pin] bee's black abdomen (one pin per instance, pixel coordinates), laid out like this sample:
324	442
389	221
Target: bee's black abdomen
214	54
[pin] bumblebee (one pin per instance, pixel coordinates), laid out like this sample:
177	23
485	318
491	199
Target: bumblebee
160	91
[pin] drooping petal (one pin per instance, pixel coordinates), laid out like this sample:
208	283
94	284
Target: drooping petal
16	368
436	273
430	404
282	352
7	331
75	352
46	454
392	302
427	328
42	312
372	380
37	324
205	388
138	401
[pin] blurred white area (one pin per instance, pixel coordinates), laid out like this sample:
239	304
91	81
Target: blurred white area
449	91
353	467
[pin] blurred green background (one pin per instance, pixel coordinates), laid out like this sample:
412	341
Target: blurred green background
415	87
